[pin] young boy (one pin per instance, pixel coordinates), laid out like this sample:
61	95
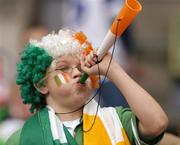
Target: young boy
49	74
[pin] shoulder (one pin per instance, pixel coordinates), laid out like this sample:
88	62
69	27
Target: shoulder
130	123
34	120
14	139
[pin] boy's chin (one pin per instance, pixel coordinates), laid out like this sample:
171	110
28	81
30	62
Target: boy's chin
82	91
80	99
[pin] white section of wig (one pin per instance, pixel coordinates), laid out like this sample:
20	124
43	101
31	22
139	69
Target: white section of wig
59	44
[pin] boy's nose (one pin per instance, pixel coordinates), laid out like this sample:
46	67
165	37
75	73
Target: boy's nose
76	73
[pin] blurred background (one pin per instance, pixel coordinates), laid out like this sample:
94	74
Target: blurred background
149	50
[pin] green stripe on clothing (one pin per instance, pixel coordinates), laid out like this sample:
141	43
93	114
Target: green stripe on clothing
70	139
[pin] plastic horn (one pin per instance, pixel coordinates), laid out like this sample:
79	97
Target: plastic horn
124	18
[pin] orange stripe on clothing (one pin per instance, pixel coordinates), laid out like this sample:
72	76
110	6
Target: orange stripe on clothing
121	143
97	135
125	137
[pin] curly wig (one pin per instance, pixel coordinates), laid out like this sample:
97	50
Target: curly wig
30	70
38	56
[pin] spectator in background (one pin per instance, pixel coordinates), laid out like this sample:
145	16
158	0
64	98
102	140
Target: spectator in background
17	112
6	76
3	95
33	32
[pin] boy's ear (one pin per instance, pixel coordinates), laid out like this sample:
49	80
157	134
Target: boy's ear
41	88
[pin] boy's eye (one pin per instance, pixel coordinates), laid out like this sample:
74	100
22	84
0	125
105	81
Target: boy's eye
63	68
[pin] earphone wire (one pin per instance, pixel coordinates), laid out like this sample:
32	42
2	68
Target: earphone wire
99	98
100	93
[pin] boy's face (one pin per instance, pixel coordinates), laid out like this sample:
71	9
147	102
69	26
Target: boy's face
67	92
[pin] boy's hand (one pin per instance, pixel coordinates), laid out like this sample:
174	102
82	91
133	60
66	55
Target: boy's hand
88	64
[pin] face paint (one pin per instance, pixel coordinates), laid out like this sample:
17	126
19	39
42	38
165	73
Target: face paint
61	78
57	80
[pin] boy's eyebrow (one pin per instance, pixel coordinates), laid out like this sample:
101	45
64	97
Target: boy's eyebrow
62	61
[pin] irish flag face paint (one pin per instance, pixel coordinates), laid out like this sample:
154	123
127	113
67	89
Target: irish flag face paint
57	80
61	78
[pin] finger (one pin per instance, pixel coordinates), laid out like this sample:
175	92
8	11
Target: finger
94	56
84	67
90	62
86	61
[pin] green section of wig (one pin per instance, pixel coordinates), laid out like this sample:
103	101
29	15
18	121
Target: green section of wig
30	70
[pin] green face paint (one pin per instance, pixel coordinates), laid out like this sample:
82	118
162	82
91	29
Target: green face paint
57	80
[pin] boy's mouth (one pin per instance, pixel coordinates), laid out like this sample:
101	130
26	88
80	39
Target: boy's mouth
80	85
77	82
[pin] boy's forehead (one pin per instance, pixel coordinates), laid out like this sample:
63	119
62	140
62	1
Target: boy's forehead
67	58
